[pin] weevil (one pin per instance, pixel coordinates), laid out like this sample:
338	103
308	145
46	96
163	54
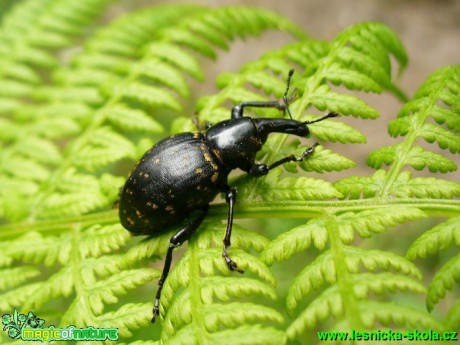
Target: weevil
175	181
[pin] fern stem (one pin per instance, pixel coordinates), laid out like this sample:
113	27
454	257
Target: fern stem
196	303
347	293
82	297
247	209
408	143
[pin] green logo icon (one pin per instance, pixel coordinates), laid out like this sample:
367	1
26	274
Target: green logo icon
15	323
29	328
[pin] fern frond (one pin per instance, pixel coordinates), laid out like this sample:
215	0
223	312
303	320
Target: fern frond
322	270
365	224
436	239
453	316
417	157
404	186
443	281
335	131
357	187
397	314
129	317
12	277
302	188
325	99
193	289
372	313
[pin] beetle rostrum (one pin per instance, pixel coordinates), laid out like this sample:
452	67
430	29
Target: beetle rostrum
174	182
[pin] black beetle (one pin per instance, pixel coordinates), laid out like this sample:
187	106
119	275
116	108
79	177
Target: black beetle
174	182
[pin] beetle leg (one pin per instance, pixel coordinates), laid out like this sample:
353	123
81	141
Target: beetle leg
231	199
282	104
262	169
179	237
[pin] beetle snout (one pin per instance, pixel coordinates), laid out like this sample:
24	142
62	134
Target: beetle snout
301	130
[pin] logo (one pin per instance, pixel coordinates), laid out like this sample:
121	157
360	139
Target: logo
29	328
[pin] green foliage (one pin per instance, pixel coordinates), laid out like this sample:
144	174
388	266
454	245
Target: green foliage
68	127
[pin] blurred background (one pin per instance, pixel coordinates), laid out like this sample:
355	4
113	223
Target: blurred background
429	30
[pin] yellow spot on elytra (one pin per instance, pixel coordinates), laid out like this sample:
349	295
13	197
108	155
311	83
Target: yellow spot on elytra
207	157
170	209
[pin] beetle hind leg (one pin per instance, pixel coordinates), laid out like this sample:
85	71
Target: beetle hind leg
231	200
179	237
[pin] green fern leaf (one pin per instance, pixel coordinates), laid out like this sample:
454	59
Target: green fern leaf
444	138
352	80
417	157
361	186
242	335
429	132
424	187
443	281
335	131
365	223
177	57
26	169
326	160
99	240
106	291
387	314
241	313
324	99
294	241
132	119
12	277
302	188
17	296
34	248
149	95
436	239
323	270
453	316
443	115
129	317
329	302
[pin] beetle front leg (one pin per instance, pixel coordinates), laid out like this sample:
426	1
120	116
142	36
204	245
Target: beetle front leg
282	104
230	197
263	169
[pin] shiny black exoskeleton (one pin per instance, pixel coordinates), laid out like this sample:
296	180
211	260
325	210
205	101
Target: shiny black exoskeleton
174	182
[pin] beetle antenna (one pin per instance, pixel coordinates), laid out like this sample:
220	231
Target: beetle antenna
331	114
285	96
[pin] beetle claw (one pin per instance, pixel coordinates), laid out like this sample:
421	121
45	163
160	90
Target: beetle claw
156	310
232	266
